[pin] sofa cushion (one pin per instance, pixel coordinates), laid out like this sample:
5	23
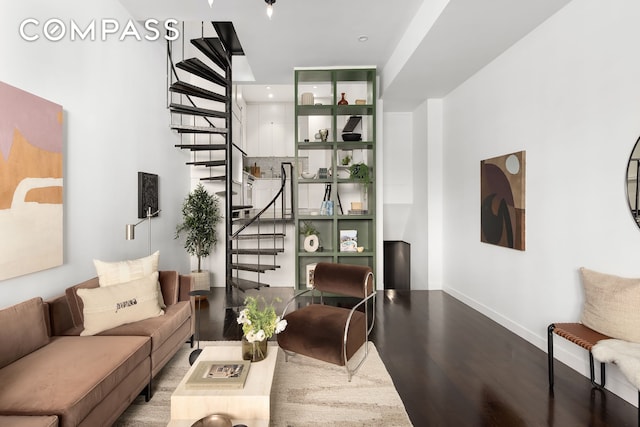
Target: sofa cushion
115	273
28	421
159	329
611	305
70	376
24	330
107	307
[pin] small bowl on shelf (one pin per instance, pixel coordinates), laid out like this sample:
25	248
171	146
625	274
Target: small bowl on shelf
351	136
308	175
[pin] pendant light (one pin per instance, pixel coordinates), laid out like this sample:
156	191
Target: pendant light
270	7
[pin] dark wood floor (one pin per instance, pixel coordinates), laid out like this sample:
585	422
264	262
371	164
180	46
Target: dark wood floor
452	366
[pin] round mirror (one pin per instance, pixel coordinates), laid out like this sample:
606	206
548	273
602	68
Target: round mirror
633	175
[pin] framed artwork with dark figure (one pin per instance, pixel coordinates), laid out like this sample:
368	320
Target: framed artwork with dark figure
502	193
147	193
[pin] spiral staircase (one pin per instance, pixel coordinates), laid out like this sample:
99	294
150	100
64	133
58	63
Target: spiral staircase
200	103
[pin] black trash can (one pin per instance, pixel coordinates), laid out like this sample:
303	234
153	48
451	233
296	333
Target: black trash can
397	264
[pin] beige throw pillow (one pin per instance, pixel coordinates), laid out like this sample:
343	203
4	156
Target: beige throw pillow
116	273
111	306
611	305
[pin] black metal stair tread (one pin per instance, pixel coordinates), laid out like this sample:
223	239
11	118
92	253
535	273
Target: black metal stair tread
241	207
197	111
270	221
208	163
227	34
259	236
270	251
189	89
258	268
200	69
202	147
244	284
214	178
213	49
199	129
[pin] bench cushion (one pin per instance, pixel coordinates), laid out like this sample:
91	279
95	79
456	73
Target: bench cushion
70	376
611	305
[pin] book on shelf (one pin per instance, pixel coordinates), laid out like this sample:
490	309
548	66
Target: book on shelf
219	374
348	240
358	212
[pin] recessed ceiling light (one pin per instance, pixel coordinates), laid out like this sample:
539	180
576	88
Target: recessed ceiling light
270	95
268	87
363	38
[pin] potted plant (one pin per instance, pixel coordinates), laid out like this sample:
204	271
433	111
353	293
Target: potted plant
200	216
259	323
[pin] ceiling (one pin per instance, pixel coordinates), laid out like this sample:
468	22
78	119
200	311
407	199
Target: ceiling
464	37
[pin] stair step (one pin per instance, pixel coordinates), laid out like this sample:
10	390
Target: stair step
214	178
227	34
253	236
189	89
213	49
261	251
241	207
197	111
199	129
257	268
200	69
263	221
244	284
202	147
208	163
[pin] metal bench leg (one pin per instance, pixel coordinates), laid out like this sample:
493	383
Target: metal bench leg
550	353
592	371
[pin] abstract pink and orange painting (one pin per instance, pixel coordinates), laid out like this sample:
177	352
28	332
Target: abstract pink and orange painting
31	183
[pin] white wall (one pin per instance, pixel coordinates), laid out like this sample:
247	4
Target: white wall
116	124
568	94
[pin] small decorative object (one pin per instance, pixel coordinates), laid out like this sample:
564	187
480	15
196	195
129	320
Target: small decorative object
360	248
361	102
324	133
214	420
356	206
342	100
307	175
306	98
359	172
348	240
311	233
346	160
351	136
258	324
323	173
311	268
326	208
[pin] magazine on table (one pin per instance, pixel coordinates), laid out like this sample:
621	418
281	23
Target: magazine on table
219	374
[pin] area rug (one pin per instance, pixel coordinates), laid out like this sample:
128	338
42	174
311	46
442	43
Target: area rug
305	393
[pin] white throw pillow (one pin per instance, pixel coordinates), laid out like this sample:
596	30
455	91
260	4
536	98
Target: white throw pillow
611	305
110	306
116	273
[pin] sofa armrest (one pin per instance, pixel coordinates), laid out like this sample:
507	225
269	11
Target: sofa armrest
59	315
169	286
186	286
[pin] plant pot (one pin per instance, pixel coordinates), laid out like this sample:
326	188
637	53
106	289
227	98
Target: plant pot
201	281
254	351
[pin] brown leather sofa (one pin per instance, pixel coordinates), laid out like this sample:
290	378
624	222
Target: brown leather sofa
50	376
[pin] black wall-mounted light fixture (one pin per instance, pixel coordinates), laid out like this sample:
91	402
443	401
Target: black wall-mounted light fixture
270	7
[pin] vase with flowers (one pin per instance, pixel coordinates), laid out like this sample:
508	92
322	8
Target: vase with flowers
259	322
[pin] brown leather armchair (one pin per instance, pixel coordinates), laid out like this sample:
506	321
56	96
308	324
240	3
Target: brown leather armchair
329	333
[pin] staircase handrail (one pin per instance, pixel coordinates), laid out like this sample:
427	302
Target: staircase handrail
283	181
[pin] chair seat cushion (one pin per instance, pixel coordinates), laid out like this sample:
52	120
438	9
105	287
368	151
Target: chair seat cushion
317	331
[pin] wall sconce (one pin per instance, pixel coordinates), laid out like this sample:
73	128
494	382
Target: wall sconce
270	7
131	228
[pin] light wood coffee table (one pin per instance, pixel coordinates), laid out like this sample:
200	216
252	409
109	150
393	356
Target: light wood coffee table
249	405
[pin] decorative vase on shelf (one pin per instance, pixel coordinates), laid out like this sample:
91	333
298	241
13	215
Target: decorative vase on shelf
342	100
254	351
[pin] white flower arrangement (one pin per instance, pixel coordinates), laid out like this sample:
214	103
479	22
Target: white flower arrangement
260	324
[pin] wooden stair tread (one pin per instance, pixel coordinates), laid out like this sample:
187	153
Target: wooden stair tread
258	268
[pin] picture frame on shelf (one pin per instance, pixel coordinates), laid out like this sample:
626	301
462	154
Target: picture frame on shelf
309	276
348	240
